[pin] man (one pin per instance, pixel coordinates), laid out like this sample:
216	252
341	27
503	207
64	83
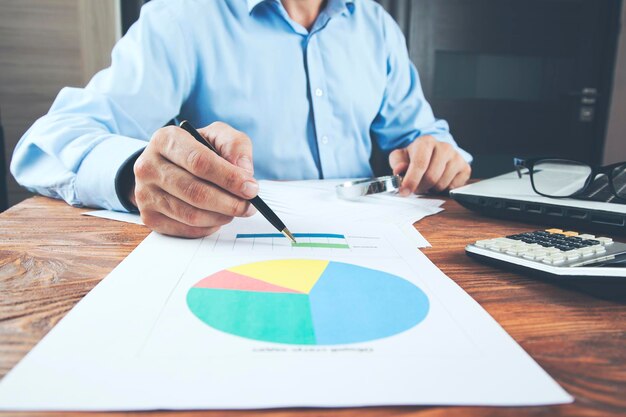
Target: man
309	83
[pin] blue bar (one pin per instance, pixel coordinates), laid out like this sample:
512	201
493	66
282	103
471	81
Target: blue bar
270	235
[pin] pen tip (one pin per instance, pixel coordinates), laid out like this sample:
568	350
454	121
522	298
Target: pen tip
288	235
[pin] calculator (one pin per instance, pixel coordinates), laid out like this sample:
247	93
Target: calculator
556	254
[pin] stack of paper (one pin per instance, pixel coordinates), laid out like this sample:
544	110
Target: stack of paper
318	200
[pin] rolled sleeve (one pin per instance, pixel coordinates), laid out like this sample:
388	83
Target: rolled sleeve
405	114
78	150
96	177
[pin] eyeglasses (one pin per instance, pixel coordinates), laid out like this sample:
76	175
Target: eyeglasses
562	178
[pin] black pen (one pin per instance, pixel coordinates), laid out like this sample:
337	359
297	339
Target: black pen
256	201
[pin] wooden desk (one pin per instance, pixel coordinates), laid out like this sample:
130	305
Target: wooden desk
50	257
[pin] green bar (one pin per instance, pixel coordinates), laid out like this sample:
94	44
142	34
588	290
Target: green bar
321	245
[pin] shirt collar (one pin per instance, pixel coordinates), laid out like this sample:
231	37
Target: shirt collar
333	6
252	4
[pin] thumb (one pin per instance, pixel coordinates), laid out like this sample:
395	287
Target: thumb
399	161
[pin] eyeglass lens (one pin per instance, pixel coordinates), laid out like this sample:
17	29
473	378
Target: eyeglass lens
619	180
559	177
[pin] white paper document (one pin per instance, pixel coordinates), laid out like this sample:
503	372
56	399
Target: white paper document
352	315
317	200
116	215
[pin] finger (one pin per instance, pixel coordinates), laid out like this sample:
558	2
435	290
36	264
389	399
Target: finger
201	194
233	145
182	149
164	225
182	212
420	152
399	161
461	178
442	154
453	168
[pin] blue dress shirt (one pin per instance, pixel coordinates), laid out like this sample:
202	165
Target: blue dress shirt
311	101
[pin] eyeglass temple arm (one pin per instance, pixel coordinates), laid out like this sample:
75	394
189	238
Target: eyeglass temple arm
519	164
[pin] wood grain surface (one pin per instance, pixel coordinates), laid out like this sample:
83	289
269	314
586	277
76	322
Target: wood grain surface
51	256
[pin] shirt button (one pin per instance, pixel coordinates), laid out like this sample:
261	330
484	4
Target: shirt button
319	92
324	140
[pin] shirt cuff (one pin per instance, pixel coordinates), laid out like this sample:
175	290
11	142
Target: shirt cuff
125	182
97	175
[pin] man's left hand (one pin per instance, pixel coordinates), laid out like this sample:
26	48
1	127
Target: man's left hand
429	165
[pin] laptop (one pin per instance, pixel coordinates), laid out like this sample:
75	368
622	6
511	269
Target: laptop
509	196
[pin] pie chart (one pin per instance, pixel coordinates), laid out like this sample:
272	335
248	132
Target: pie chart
307	302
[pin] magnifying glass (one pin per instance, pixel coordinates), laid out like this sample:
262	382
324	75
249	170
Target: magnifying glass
351	190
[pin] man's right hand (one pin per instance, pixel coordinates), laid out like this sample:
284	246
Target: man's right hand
182	188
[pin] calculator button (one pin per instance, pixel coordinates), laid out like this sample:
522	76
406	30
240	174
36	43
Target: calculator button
598	249
554	231
605	240
554	261
552	250
570	233
505	242
586	251
586	236
517	251
482	243
535	255
572	255
576	245
499	245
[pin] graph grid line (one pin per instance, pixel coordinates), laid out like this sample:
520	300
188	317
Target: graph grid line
334	241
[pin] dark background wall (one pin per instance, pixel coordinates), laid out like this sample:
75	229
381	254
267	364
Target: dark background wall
517	78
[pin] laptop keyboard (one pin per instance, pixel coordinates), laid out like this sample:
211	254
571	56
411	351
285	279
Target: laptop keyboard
601	191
